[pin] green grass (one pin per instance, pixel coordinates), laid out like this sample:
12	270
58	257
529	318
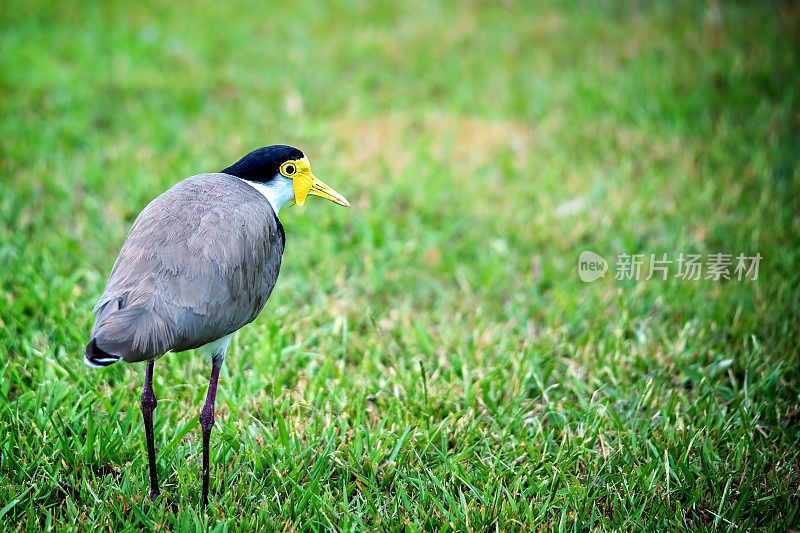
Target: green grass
429	359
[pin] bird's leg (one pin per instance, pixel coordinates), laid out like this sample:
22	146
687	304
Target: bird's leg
207	421
149	404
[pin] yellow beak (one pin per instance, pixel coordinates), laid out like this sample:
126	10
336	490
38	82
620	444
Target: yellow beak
318	188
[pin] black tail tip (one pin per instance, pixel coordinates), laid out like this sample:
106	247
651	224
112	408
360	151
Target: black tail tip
94	357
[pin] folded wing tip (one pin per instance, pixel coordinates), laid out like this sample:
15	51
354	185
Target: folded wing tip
94	357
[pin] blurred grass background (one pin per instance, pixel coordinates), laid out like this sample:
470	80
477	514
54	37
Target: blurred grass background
429	358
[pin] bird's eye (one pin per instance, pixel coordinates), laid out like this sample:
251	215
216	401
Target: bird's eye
288	170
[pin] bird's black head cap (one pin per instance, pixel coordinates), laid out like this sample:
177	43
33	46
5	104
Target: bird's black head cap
263	164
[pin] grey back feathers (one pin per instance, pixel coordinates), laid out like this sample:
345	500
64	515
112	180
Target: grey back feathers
200	262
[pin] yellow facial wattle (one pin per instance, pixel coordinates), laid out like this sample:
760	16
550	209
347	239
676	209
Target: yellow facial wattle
302	183
305	183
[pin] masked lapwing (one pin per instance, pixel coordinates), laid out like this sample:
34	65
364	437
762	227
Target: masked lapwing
199	263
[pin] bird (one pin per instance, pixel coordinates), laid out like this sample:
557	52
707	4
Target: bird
199	262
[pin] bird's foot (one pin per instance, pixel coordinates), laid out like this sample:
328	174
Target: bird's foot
154	494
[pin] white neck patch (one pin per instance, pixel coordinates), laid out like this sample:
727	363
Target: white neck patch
278	191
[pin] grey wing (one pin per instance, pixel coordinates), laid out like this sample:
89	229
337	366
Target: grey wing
199	263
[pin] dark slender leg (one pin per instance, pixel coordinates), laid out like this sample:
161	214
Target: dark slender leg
207	422
149	404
